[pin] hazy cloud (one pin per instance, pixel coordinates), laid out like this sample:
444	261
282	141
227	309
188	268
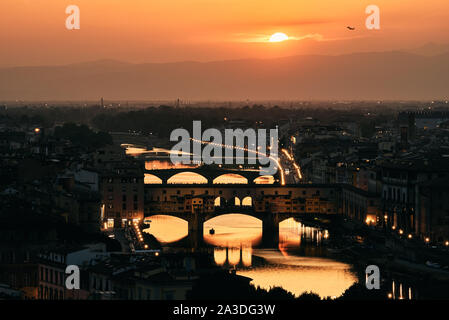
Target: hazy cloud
242	37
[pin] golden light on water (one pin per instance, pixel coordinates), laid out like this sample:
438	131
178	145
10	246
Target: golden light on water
233	230
234	256
323	276
402	293
236	239
289	235
220	256
167	229
247	255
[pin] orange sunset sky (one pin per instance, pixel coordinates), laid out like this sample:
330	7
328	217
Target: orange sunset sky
32	32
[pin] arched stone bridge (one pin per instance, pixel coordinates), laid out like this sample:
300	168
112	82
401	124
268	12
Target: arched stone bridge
270	223
269	203
209	174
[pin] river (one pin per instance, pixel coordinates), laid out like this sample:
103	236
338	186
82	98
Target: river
298	265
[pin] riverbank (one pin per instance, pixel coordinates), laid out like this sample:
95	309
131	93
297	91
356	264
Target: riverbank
397	259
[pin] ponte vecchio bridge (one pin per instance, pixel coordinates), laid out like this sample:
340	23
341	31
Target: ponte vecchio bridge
271	203
209	174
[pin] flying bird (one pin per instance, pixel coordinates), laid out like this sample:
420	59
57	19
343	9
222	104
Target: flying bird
350	28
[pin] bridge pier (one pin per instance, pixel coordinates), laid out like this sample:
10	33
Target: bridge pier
270	230
196	227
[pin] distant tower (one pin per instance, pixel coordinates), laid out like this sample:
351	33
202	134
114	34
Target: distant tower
102	102
177	103
406	127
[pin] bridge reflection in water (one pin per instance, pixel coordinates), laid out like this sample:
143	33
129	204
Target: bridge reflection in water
233	256
401	291
238	231
297	264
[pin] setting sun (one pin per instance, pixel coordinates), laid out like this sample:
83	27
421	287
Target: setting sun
278	37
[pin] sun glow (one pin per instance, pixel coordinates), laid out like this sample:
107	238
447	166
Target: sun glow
278	37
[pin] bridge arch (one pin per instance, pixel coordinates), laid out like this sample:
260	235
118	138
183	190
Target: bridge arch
230	178
233	230
210	217
178	227
187	177
247	201
251	216
151	179
219	202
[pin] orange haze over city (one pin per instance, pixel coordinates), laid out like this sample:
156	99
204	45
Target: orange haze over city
33	32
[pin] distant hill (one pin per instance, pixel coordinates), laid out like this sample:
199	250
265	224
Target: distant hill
431	49
384	75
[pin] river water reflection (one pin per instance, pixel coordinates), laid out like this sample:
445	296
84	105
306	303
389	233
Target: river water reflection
298	264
